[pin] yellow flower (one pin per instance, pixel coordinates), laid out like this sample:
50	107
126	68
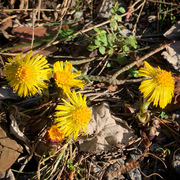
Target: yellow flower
27	75
159	88
64	78
54	134
72	117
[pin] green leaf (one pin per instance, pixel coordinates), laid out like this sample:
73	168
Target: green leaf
97	43
102	32
133	72
112	11
102	50
126	48
111	51
116	6
131	40
121	58
91	47
96	29
118	18
122	10
104	40
113	24
108	65
164	115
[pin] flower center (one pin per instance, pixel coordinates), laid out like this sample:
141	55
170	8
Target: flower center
81	115
63	77
165	79
24	74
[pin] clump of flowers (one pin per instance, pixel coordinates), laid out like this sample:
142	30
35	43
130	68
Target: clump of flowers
54	135
72	117
27	75
64	78
159	87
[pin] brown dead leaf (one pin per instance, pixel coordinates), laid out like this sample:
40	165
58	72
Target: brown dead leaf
9	149
25	35
172	53
105	130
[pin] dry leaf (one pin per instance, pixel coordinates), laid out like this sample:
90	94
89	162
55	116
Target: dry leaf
105	130
172	53
9	149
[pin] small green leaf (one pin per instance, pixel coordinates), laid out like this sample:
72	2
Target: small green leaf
96	29
113	24
121	58
131	40
111	51
112	11
97	43
104	40
163	115
126	48
91	47
102	50
122	10
108	65
116	6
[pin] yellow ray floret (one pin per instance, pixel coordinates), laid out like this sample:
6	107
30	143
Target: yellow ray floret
27	75
72	117
64	78
159	88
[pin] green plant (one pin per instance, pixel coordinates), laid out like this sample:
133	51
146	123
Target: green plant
163	115
111	40
133	72
165	152
166	17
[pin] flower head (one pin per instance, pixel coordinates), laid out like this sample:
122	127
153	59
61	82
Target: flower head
64	78
159	88
54	135
72	117
27	75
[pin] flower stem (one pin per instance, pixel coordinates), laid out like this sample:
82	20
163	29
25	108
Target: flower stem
143	116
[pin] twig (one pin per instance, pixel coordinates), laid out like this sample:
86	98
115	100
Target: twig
39	6
148	176
113	80
164	2
33	20
137	20
98	25
139	60
161	121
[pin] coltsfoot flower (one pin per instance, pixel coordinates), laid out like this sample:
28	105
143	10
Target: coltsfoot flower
27	75
54	135
159	88
72	117
64	78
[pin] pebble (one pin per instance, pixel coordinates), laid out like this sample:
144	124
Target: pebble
176	161
152	18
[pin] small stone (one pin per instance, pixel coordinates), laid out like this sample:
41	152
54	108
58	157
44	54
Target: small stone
152	18
176	161
78	14
135	174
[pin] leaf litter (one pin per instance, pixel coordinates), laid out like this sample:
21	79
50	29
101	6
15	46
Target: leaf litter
115	146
